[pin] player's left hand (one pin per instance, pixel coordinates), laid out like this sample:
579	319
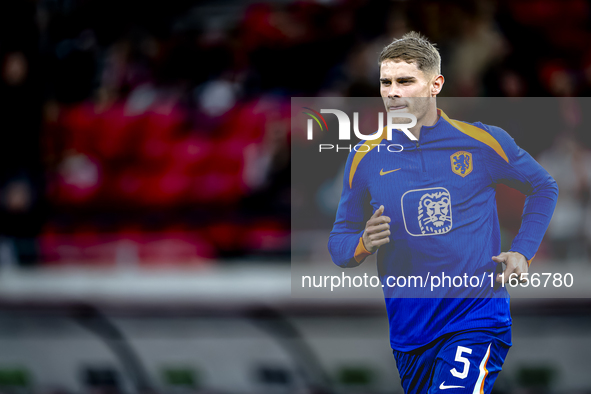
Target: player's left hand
515	262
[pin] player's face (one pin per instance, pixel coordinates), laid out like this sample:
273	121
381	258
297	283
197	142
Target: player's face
405	88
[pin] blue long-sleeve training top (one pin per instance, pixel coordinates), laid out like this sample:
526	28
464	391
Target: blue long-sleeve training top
440	195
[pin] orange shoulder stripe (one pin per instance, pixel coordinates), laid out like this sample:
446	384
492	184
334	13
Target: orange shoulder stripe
478	134
362	152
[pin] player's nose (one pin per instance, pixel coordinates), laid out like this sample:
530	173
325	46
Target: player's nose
394	92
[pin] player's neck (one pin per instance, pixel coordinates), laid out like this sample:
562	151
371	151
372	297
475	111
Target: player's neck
430	118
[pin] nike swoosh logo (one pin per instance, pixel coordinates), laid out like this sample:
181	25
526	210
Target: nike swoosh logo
387	172
442	386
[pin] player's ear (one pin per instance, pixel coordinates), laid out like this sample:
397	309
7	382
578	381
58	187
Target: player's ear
437	85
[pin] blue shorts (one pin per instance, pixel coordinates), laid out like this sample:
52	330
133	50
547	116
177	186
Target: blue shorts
459	362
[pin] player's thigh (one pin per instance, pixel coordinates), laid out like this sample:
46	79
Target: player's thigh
468	363
415	369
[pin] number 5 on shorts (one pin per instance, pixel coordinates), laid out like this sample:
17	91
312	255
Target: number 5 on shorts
464	360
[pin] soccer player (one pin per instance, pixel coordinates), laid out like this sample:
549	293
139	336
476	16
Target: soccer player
434	213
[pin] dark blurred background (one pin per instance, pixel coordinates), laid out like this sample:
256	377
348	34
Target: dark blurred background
145	187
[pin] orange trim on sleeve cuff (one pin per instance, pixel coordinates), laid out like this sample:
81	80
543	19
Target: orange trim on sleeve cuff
530	260
360	252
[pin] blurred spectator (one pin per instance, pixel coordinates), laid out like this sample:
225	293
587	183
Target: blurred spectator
21	175
569	163
478	46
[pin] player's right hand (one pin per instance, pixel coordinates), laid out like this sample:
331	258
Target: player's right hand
377	230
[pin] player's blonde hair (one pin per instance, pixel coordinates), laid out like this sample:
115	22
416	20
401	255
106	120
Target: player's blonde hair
415	48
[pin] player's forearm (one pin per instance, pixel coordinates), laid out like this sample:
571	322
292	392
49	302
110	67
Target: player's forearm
537	213
344	249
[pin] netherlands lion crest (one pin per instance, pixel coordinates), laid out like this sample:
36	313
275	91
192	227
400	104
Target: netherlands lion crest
435	213
461	163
